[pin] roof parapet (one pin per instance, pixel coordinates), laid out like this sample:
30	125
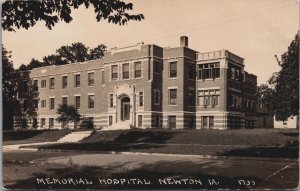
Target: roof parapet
219	54
137	46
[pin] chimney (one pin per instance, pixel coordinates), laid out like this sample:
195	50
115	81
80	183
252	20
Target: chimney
184	41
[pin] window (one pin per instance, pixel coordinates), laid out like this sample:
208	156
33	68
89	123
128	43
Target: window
206	101
43	103
64	100
191	71
64	82
156	66
156	97
51	86
43	122
51	123
173	69
214	100
114	72
207	122
25	105
157	121
234	99
77	102
110	120
91	101
237	74
103	78
125	71
90	123
52	101
172	96
141	99
77	80
43	83
36	103
191	96
232	73
91	79
192	122
208	98
64	125
137	69
140	120
35	85
209	71
111	100
172	122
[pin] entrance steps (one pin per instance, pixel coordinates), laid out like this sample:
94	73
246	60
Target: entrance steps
74	137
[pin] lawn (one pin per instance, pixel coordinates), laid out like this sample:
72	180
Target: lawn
32	136
275	143
247	137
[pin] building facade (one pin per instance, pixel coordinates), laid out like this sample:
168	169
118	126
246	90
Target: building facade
147	86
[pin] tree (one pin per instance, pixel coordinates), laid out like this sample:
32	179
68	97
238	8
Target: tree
67	113
97	52
25	14
26	102
8	91
282	91
287	81
53	59
77	52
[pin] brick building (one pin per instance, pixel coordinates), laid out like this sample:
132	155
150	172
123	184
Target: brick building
147	86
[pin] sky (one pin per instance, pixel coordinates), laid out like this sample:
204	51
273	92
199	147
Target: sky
255	30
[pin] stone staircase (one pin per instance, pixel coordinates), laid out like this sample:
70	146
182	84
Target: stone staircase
74	137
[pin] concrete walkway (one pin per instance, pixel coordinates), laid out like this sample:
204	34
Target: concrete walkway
69	138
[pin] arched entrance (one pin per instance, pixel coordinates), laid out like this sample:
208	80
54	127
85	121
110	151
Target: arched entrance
125	108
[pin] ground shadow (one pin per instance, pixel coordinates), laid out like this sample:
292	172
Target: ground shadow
20	135
98	146
288	151
145	136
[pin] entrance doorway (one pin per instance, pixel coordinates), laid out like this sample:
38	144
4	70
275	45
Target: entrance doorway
125	108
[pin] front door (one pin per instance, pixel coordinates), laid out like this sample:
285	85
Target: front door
125	109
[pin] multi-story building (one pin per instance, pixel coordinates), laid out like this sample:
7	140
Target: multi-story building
147	86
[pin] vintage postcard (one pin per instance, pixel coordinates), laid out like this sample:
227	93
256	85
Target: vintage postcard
160	94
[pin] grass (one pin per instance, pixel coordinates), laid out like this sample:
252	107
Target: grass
272	143
33	136
248	137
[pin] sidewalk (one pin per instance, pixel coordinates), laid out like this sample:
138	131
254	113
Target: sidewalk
17	147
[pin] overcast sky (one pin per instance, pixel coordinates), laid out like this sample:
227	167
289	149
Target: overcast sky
255	30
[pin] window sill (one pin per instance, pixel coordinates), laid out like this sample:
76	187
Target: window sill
208	79
208	106
172	105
